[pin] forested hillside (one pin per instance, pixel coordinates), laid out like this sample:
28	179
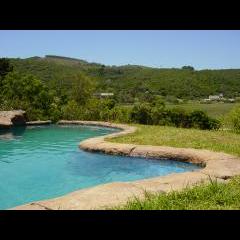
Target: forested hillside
131	82
65	88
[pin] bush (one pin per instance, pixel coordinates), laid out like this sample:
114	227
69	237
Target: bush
158	115
233	118
94	109
141	113
71	111
199	119
179	118
33	114
55	113
120	114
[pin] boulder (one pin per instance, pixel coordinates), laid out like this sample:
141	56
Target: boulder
12	118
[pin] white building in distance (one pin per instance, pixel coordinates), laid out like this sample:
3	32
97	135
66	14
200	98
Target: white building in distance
102	95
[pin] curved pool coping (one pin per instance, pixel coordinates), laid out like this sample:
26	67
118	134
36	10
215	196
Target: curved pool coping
216	166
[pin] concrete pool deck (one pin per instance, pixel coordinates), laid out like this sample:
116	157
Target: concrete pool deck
216	165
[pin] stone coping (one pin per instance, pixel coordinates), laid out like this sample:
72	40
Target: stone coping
216	165
33	123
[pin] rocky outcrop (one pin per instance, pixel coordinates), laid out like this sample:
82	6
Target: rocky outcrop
12	118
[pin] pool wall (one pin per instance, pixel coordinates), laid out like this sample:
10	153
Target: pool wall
216	166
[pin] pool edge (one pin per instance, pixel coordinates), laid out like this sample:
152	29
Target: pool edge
217	165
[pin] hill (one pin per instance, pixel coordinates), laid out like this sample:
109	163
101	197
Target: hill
132	81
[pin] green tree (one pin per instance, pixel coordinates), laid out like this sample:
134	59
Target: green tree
188	68
141	113
28	93
82	89
5	68
24	87
72	111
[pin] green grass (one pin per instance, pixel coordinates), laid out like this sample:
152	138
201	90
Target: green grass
220	141
204	196
201	197
215	110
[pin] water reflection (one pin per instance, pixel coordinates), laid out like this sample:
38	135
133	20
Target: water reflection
12	133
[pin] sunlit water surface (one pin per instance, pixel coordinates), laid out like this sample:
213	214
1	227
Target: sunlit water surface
43	162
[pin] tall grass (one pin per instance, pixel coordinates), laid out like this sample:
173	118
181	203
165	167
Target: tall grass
212	196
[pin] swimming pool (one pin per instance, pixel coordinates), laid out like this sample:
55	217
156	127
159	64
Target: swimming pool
42	162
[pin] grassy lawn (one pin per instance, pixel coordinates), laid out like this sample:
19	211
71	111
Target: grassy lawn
220	141
214	109
205	196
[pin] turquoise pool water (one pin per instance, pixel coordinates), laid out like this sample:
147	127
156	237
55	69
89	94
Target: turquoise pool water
43	162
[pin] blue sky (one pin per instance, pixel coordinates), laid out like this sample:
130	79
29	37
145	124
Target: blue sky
209	49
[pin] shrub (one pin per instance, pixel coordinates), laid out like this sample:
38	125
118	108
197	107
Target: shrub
82	88
94	109
158	115
199	119
233	118
141	113
55	113
120	114
34	114
179	118
71	111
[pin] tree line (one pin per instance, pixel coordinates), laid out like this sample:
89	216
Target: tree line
41	102
131	83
